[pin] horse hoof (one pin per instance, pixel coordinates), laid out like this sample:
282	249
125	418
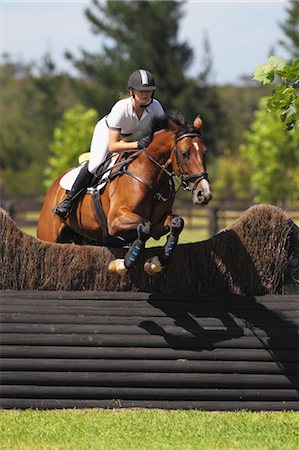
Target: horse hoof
153	266
117	266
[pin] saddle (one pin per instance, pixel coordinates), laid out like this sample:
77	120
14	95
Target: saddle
104	173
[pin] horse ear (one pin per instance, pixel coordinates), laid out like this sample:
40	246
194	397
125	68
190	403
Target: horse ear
197	122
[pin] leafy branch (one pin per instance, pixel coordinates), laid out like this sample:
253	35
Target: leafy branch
284	98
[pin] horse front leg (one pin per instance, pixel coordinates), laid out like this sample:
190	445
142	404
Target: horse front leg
157	263
121	266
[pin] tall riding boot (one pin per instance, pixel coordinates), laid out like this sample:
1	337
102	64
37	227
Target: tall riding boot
82	181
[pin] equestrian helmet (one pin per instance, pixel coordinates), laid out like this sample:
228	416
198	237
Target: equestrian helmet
141	80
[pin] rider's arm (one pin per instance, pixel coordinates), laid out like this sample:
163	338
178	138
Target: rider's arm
116	144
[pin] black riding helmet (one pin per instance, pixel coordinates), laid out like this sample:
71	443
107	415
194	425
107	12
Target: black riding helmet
142	80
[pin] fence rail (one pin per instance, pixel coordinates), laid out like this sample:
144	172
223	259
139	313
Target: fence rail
25	212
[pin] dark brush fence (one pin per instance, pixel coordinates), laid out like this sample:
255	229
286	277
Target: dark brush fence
255	255
138	350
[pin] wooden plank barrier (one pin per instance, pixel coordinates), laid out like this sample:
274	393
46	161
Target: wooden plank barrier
140	350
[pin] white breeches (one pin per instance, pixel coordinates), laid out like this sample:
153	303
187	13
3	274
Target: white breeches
99	147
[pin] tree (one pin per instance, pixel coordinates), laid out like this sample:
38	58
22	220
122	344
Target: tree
291	30
274	157
72	137
22	149
32	102
144	34
284	97
232	178
137	34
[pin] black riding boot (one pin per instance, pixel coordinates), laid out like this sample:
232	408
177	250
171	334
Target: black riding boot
82	181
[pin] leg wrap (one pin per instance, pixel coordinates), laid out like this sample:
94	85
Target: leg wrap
133	253
177	224
169	248
143	233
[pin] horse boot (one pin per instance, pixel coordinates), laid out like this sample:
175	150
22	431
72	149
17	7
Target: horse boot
82	181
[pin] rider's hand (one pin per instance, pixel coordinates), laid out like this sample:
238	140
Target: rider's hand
144	142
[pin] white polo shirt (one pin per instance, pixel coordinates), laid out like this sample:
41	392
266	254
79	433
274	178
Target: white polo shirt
123	118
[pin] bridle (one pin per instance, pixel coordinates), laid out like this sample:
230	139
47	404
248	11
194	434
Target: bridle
182	179
185	179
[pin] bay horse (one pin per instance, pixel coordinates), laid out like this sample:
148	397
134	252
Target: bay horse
137	201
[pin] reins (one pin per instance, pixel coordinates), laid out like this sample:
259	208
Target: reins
181	179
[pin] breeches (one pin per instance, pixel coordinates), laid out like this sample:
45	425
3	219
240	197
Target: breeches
99	147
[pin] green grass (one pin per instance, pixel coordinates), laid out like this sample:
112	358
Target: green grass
186	236
148	430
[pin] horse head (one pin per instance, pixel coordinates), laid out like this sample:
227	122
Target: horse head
185	150
188	161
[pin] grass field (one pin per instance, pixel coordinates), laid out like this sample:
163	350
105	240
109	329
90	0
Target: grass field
186	236
148	429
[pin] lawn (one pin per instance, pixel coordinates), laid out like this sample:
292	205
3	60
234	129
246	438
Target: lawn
148	429
188	235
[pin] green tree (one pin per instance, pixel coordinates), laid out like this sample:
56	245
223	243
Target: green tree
284	98
72	137
22	149
33	99
134	34
232	178
145	34
274	157
291	30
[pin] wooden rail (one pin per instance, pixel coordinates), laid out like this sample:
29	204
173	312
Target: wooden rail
128	350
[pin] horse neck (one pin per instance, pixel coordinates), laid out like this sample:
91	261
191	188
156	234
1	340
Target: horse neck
156	155
161	146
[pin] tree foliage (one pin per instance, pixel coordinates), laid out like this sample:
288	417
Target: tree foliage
72	137
290	28
232	179
145	34
274	157
32	101
134	34
284	97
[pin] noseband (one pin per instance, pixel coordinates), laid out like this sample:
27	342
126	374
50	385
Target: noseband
185	179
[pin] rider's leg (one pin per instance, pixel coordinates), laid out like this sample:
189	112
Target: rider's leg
98	152
99	146
82	181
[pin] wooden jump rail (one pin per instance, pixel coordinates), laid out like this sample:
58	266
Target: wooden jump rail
140	350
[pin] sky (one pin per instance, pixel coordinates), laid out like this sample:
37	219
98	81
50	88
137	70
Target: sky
241	33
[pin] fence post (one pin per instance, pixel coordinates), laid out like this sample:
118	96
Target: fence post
213	220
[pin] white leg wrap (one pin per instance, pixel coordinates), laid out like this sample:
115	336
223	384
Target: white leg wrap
153	266
117	266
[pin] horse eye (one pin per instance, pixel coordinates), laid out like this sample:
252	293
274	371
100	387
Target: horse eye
185	154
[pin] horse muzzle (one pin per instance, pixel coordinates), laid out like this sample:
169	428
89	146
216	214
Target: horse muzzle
201	193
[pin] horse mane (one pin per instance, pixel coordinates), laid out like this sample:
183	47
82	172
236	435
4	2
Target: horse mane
174	121
167	121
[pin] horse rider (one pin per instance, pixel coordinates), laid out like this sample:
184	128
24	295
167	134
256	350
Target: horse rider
126	127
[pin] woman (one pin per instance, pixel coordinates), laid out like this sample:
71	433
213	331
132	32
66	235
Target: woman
126	127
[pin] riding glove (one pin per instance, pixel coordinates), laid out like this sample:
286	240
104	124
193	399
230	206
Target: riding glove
144	142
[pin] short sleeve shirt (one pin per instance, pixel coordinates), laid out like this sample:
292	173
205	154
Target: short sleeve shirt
123	118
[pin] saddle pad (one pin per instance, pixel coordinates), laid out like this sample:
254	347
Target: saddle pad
68	179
